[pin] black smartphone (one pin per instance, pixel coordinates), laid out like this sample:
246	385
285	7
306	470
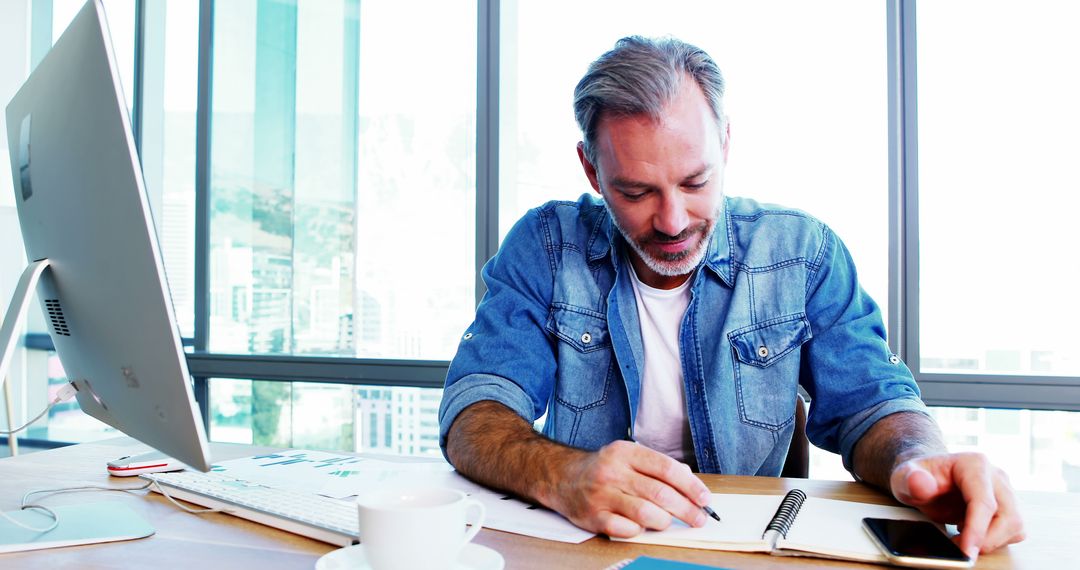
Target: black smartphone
919	544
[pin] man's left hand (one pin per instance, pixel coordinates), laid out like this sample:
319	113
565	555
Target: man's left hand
965	489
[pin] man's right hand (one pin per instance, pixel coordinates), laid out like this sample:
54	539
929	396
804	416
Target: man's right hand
619	490
625	488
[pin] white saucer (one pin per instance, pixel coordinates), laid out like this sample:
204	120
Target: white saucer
472	557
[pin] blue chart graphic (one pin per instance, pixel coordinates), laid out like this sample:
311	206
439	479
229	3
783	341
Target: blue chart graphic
302	457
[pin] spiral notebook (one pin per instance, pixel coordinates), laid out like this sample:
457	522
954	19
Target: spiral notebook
784	525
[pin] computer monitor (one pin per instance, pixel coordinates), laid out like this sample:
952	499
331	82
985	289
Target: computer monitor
83	207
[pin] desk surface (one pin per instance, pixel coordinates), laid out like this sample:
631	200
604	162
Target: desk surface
220	541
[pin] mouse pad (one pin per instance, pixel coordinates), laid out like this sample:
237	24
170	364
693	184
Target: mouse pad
86	523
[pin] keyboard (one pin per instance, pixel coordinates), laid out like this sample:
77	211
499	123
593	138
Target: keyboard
307	514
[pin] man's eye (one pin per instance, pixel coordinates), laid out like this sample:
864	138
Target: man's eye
697	185
633	196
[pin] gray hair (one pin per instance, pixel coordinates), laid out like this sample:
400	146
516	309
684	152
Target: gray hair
640	76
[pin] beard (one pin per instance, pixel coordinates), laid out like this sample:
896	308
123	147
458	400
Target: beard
665	263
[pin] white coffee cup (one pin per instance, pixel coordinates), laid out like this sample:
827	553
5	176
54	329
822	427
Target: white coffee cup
416	527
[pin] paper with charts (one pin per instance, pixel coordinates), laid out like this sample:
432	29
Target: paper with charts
341	476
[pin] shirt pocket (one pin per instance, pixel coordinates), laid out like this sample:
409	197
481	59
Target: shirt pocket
583	356
766	359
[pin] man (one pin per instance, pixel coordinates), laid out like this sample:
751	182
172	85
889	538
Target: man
668	328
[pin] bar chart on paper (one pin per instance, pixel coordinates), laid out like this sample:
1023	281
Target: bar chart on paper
343	476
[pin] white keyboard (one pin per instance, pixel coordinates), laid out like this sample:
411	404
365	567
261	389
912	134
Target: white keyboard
322	518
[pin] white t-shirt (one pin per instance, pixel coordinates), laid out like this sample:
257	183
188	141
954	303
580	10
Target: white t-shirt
661	421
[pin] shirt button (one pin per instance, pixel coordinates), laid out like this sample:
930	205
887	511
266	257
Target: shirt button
586	338
467	336
763	351
894	359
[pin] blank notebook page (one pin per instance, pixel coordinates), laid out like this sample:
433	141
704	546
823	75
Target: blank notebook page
743	521
831	527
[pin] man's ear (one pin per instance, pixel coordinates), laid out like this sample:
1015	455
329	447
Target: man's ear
590	170
727	138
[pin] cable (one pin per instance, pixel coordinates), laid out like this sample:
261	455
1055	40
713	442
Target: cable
65	393
51	492
24	505
157	486
56	519
50	512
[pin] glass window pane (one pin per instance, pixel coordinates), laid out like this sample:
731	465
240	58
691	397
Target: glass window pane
343	189
806	97
121	17
167	142
998	188
36	375
65	421
383	419
1039	449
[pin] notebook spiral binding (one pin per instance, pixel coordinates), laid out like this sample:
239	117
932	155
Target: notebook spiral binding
785	514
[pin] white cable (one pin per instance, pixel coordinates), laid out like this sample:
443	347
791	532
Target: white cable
51	492
157	486
27	424
56	519
65	393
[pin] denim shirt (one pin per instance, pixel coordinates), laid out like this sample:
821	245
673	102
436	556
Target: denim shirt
774	305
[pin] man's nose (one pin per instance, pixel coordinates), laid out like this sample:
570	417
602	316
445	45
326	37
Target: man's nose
671	219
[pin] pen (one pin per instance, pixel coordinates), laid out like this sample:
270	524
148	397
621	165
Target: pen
705	508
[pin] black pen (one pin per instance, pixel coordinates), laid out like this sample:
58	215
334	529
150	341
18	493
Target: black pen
706	508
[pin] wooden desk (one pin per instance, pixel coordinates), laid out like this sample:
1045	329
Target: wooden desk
222	541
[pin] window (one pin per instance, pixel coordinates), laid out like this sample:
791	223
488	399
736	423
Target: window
373	440
325	416
342	190
65	421
284	414
1039	449
343	153
805	94
166	139
322	416
997	188
121	18
29	30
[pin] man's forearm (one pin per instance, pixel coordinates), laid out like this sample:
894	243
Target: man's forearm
893	440
495	447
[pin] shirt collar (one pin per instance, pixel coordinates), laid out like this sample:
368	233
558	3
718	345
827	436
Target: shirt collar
718	258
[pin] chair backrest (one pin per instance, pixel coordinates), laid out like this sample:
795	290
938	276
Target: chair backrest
797	463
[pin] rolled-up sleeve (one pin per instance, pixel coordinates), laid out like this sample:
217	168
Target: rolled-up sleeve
506	354
851	375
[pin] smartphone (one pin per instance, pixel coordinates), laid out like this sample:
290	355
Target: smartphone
918	544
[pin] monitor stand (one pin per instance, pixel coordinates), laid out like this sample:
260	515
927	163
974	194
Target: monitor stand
24	291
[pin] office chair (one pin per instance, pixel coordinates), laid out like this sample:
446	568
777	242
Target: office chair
797	463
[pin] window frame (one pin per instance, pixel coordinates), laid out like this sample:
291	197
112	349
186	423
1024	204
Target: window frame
938	389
